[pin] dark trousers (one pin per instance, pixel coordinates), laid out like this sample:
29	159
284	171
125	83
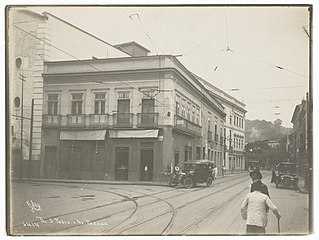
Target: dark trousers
255	230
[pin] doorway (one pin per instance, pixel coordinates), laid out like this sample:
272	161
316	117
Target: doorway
75	163
123	110
98	161
50	162
146	161
176	159
122	156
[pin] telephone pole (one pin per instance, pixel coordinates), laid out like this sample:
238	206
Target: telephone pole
23	79
30	142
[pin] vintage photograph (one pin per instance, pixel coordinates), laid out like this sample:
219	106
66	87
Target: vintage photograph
159	120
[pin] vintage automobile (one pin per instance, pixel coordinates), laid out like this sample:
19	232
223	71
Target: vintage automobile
192	172
253	164
286	175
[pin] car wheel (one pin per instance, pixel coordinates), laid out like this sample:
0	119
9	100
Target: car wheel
188	182
172	183
277	183
209	181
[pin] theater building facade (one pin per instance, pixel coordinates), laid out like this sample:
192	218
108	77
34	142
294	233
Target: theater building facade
126	119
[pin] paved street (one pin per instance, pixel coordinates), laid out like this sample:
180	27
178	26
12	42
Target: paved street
103	209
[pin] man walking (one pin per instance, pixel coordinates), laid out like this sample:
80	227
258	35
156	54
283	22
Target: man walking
256	178
254	210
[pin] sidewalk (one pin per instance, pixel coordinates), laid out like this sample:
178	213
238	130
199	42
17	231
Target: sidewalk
146	183
92	181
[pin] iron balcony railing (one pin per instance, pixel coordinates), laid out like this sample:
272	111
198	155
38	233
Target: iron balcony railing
147	119
187	126
51	120
123	120
99	119
75	120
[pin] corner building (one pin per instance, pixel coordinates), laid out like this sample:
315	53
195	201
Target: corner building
234	128
126	119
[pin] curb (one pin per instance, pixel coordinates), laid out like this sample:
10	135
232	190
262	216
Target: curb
91	182
104	182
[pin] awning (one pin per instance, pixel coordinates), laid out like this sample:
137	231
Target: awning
83	135
133	134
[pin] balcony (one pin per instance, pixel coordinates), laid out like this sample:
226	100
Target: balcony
99	120
147	119
75	120
187	126
51	120
209	136
123	120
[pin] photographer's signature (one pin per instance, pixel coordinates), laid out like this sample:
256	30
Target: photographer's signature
34	207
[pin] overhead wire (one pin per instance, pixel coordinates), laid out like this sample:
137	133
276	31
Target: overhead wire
145	32
226	29
240	89
97	69
140	24
270	64
282	100
228	49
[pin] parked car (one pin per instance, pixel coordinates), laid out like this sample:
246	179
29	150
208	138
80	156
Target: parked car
191	173
253	164
286	175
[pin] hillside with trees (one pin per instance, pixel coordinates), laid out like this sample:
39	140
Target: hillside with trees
260	130
258	135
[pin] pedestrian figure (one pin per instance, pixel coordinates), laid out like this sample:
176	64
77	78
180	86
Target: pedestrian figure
176	168
223	170
256	177
273	176
146	173
254	210
214	170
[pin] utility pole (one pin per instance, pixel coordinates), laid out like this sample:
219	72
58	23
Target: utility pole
23	79
30	143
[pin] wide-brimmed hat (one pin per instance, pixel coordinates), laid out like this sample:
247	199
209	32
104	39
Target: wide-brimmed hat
258	174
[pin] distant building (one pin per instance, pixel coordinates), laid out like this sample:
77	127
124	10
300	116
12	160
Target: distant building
32	39
234	128
299	155
129	119
273	144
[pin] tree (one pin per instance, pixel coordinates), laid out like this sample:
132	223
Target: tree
278	122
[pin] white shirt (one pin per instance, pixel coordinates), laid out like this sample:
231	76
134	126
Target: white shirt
253	208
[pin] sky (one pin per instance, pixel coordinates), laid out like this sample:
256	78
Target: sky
259	55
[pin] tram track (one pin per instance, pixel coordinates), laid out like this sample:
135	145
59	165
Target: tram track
127	198
174	210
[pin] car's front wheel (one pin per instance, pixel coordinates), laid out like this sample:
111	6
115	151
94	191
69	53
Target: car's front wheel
188	182
209	181
172	182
